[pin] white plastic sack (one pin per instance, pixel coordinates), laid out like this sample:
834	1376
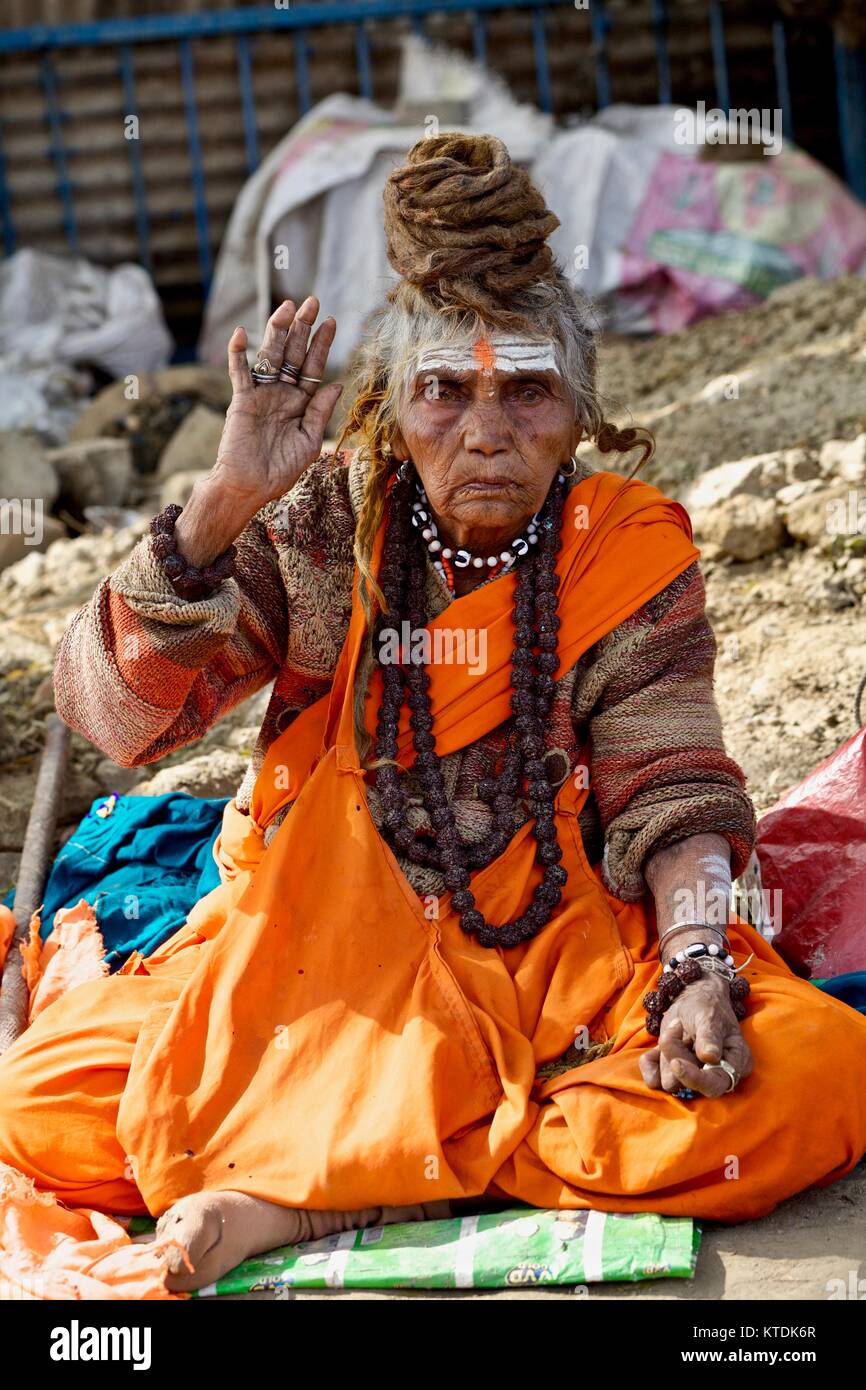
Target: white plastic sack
65	307
59	314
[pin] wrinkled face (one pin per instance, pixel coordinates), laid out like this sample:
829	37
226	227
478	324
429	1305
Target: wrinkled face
487	429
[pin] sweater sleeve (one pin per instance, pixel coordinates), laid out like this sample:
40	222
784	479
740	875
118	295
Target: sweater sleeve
141	671
659	769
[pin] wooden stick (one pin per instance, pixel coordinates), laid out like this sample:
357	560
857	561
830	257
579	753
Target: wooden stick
36	859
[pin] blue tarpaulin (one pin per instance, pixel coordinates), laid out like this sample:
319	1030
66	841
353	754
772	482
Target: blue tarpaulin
142	866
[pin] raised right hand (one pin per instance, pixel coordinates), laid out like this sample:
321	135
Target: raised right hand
272	433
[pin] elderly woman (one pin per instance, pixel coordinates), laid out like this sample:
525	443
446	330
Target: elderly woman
473	936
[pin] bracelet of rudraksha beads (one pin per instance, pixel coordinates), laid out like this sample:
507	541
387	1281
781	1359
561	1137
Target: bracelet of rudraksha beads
188	581
676	977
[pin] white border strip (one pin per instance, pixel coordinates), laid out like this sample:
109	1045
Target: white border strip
464	1256
335	1274
593	1242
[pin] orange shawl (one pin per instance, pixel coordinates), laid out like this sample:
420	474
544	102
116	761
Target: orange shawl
622	542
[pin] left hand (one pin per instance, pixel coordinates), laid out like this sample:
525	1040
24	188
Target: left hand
700	1026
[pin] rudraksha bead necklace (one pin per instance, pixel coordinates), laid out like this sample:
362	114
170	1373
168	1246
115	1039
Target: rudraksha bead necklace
534	662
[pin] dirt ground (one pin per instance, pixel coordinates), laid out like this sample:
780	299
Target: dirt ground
792	640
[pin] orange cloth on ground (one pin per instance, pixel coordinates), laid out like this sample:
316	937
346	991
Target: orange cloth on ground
72	953
50	1252
317	1035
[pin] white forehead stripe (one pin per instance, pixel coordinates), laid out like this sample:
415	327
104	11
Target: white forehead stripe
505	354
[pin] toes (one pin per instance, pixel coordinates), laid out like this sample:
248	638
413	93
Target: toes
218	1230
179	1269
195	1226
391	1216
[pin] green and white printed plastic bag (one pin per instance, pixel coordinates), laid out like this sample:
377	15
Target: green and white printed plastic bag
519	1248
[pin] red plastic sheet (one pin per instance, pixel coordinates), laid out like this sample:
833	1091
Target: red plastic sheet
812	847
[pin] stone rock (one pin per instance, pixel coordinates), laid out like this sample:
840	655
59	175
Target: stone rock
762	691
64	554
854	570
109	408
837	510
743	527
725	387
25	575
110	520
25	473
838	594
792	492
757	476
194	444
208	384
16	799
114	778
55	627
9	861
94	472
69	570
800	465
845	459
728	480
218	773
178	487
19	650
17	550
98	552
107	412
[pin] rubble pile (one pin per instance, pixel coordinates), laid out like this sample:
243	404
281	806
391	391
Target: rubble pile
760	422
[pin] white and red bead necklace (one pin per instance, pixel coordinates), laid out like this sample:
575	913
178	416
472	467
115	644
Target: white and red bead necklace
444	556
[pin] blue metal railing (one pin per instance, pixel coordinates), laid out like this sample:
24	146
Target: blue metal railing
248	104
139	191
184	30
57	149
851	97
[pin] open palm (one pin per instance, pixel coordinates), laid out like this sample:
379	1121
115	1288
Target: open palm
274	430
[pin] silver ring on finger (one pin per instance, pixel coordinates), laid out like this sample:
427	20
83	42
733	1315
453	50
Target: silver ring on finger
289	373
317	379
729	1071
263	372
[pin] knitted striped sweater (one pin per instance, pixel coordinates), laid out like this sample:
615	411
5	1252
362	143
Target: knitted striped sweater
141	672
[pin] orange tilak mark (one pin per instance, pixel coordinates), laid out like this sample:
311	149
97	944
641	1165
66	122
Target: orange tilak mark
484	355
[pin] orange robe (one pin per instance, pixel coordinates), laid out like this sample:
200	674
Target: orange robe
320	1036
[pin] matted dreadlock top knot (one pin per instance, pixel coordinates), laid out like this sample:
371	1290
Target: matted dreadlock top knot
467	228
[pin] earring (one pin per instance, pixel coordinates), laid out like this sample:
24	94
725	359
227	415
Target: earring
403	470
569	472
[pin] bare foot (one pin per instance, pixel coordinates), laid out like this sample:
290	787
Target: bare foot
220	1229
